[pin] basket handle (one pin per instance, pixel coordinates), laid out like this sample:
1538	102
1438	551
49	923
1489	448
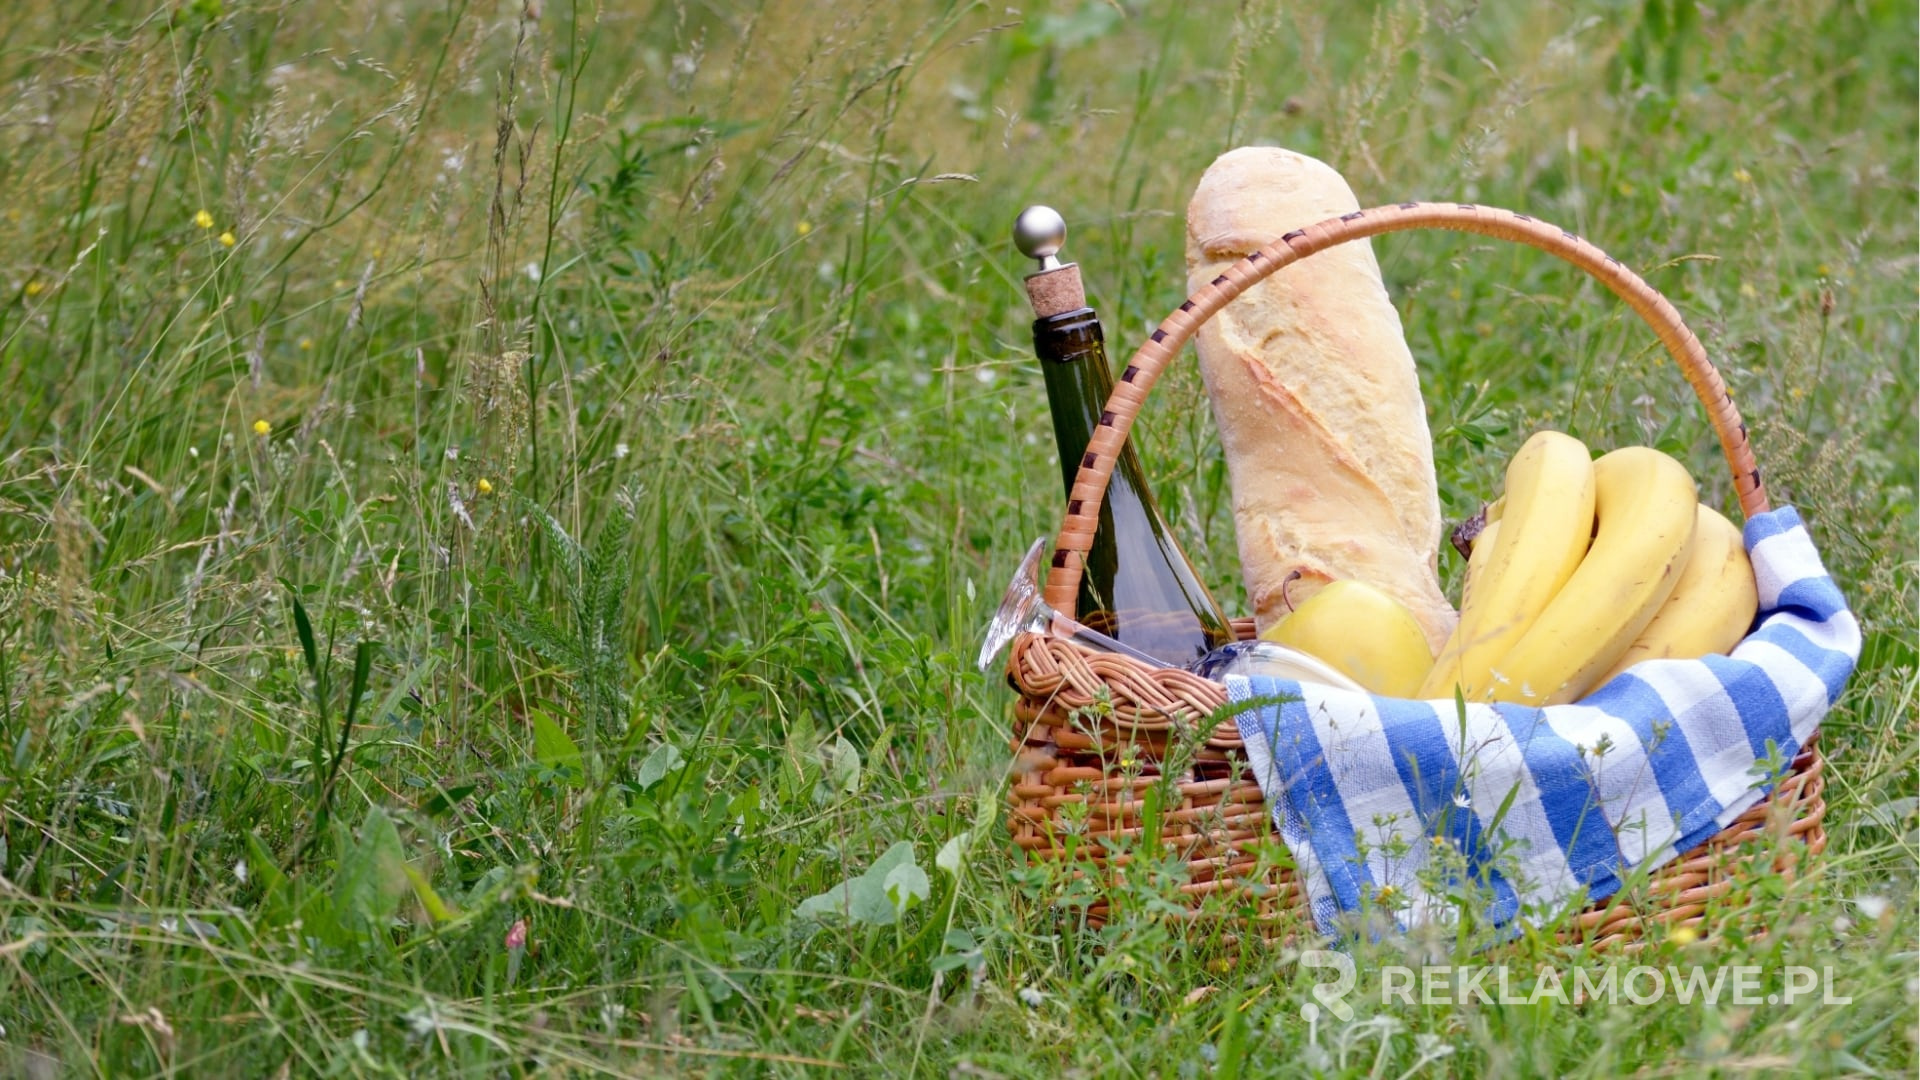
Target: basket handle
1143	370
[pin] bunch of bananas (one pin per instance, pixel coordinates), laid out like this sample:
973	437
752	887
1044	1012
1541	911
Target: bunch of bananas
1588	567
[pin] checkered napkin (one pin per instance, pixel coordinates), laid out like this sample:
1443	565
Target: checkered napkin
1407	806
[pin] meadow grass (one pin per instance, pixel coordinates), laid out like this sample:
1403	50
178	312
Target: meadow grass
498	501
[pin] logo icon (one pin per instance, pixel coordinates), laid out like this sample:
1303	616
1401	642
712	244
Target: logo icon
1332	995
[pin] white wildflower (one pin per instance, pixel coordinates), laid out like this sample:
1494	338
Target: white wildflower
459	506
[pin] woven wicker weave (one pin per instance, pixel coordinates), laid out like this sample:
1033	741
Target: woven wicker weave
1096	730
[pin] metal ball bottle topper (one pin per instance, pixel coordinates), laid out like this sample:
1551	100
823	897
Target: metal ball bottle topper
1040	232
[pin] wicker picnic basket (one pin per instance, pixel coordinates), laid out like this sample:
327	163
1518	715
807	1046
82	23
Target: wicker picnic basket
1095	729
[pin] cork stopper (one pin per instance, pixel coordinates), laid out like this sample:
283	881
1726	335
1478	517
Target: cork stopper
1056	291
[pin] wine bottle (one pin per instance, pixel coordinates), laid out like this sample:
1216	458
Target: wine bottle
1137	585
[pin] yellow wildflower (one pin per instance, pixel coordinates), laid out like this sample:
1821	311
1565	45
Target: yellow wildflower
306	343
1742	176
203	219
1683	935
803	228
486	487
35	288
261	427
227	239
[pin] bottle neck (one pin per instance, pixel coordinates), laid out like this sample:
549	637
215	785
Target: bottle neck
1073	360
1071	337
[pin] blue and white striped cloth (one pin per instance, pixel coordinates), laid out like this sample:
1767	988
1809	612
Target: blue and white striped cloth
1403	807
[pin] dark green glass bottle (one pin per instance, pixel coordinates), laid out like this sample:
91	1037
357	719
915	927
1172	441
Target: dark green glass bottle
1138	586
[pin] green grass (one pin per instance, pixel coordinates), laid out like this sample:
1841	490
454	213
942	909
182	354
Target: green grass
651	426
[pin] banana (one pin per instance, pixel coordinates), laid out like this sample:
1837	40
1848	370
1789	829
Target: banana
1713	603
1644	521
1546	522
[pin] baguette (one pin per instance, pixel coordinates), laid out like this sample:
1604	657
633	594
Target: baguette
1316	398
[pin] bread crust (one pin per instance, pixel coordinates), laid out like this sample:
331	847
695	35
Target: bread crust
1316	397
